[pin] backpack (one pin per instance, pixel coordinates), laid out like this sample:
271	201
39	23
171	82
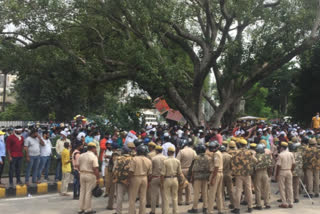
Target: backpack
242	163
264	161
121	171
201	168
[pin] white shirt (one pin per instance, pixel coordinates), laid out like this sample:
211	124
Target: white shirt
106	160
45	150
165	148
33	145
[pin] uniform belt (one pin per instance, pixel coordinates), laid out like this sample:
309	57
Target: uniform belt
88	172
170	176
285	169
139	175
156	176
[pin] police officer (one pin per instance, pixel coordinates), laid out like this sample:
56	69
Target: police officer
151	154
200	175
285	166
170	171
216	178
242	167
227	175
132	148
298	170
312	171
232	148
89	177
263	170
157	164
186	155
121	176
140	168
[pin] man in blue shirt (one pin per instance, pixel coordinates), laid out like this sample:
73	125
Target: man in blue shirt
2	153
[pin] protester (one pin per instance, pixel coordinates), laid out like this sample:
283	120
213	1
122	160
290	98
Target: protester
15	143
32	148
59	148
45	156
66	169
2	153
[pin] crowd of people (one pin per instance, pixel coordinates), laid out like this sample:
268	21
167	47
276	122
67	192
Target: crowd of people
162	162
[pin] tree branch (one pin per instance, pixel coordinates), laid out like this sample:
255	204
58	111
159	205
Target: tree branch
188	36
210	101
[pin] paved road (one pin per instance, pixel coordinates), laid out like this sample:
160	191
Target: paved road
55	204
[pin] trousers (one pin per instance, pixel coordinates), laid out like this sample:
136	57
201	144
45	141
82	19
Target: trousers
87	184
111	193
155	189
121	190
262	187
15	166
243	181
107	180
215	193
33	166
170	188
312	181
138	188
285	187
200	186
187	190
227	182
65	182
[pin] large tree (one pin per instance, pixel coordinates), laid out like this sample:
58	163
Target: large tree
169	47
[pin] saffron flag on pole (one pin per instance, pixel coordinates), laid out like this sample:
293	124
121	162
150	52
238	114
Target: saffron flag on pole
161	105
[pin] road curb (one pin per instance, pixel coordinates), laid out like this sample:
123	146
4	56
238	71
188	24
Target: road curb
39	189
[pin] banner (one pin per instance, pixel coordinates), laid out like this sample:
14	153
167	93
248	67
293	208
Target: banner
175	115
161	105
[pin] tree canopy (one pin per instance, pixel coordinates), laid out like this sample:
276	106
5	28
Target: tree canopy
168	47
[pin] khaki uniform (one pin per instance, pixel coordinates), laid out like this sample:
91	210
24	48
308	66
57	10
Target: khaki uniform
87	162
185	156
170	170
297	173
215	190
243	171
285	162
312	172
227	176
150	156
121	179
141	168
261	178
200	177
157	164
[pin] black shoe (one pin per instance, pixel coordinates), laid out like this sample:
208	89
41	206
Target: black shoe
75	198
306	196
220	212
244	203
158	206
19	183
267	207
258	208
273	181
151	213
249	210
231	206
187	204
108	208
200	200
148	206
90	212
179	204
81	212
204	210
193	211
106	195
279	200
296	201
236	211
215	207
316	195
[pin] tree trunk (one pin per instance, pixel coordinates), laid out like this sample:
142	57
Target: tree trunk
231	113
4	92
216	118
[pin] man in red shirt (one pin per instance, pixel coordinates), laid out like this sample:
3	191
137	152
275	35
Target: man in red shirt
15	143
